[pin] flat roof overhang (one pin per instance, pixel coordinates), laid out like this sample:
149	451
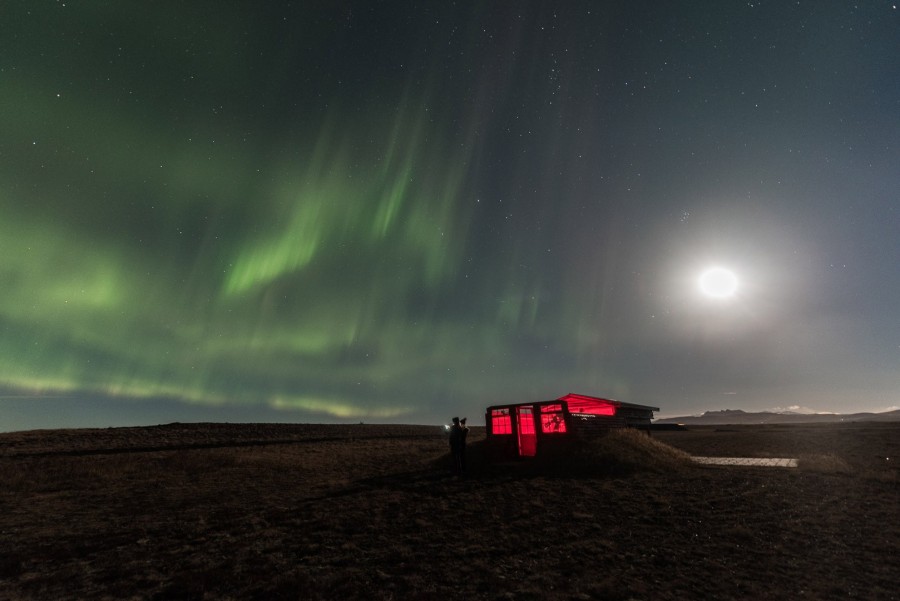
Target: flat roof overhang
582	397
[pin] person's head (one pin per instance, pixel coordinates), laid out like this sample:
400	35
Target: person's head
463	421
456	420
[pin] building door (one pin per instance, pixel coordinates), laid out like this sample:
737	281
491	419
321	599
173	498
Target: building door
527	435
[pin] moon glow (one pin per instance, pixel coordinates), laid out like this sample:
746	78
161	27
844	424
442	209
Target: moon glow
718	283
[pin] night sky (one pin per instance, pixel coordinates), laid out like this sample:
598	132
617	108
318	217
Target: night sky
403	211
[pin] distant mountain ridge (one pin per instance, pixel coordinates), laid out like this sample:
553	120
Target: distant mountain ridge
738	416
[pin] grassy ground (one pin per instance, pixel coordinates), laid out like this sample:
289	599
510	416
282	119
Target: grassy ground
333	512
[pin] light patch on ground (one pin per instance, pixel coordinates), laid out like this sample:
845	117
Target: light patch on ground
747	461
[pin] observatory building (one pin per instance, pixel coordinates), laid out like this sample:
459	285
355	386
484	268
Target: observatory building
527	429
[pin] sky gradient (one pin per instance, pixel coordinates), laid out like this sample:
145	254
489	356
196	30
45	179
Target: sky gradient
403	211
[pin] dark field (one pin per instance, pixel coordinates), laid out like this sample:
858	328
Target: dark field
306	512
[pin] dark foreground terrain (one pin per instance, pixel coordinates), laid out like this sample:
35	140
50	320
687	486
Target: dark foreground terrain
217	511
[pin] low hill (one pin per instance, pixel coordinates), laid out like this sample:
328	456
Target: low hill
737	416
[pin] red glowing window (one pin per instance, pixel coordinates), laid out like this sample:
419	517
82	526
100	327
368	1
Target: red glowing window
500	422
590	405
551	408
526	422
552	423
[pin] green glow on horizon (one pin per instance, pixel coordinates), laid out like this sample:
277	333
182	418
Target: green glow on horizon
334	407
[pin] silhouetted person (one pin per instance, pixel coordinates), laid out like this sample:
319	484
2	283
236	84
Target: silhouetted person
457	446
464	433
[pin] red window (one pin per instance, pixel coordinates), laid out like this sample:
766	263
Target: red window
500	422
526	421
552	423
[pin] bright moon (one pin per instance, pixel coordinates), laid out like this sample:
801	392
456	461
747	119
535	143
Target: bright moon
718	283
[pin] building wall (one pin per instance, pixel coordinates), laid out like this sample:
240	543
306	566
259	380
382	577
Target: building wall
577	426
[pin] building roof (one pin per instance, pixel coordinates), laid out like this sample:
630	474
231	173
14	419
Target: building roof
580	397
